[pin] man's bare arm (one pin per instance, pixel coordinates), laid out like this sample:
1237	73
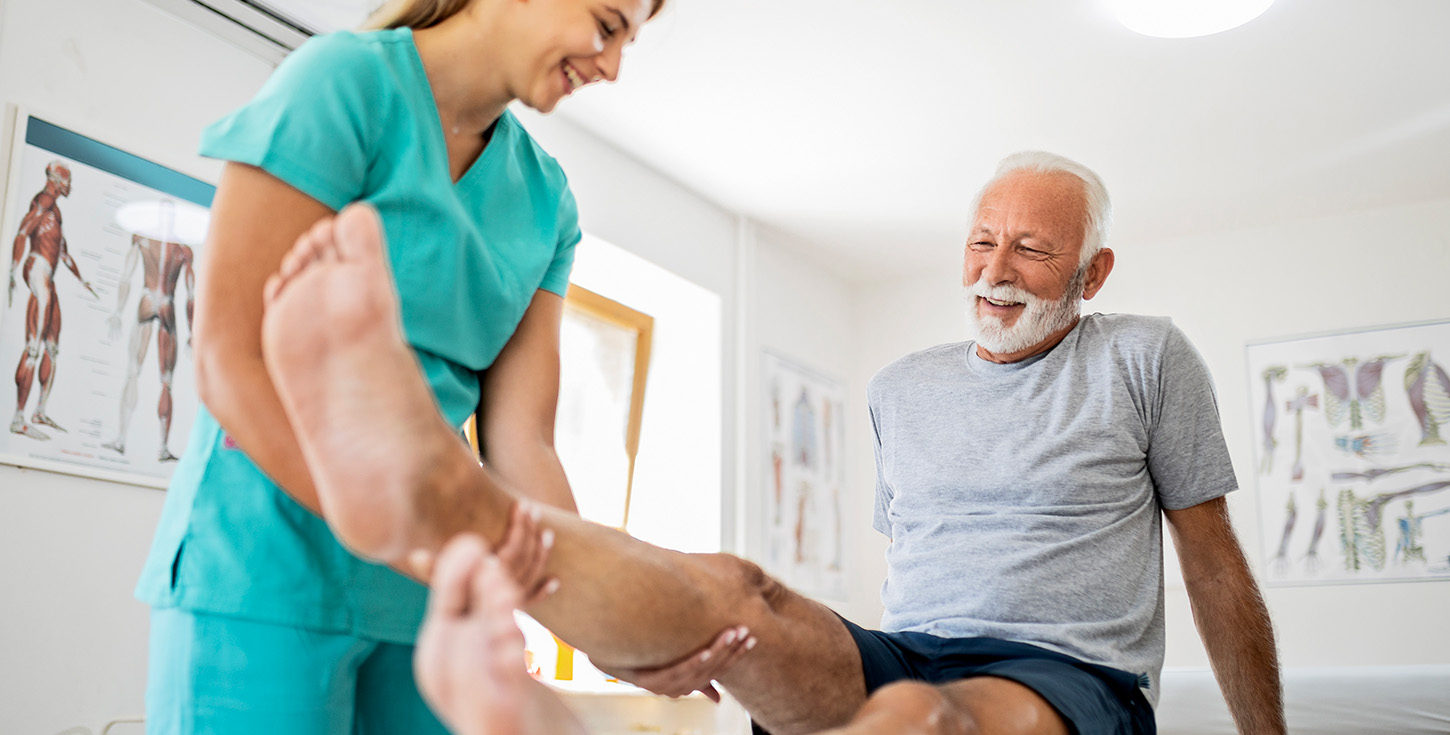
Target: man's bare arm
70	263
27	227
1231	616
123	287
190	297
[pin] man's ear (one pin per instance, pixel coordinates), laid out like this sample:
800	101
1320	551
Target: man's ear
1098	270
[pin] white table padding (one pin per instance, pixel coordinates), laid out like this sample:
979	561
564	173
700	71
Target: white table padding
1362	700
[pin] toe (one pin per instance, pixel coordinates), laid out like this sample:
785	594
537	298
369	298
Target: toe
359	233
293	261
272	288
303	253
323	238
314	245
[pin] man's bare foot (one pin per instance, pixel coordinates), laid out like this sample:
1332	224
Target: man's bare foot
18	426
39	417
118	446
470	657
364	418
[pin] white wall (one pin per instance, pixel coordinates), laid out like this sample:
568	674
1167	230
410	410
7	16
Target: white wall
1356	270
801	312
72	639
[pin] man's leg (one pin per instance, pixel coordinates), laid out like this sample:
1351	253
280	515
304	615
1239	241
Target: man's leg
140	342
166	361
393	478
984	704
25	371
50	341
470	668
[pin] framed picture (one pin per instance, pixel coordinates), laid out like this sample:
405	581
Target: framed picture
1353	463
604	349
805	473
97	313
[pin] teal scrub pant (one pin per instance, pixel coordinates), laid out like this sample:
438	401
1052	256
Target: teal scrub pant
223	676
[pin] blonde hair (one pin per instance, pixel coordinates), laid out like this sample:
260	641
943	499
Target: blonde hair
415	14
420	14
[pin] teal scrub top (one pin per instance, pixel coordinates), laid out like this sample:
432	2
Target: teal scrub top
351	117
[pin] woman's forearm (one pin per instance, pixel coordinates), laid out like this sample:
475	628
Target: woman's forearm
239	394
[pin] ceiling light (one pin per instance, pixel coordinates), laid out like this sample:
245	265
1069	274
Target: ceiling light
165	220
1185	18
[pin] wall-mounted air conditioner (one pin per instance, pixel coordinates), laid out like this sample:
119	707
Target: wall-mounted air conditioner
270	28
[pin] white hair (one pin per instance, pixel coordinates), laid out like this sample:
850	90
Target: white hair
1095	194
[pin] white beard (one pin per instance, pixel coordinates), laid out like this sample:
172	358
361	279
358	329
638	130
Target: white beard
1038	321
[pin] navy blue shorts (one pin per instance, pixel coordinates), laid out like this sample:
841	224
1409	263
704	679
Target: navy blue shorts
1093	700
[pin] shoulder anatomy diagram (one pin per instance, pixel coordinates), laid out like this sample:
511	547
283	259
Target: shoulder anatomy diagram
1352	439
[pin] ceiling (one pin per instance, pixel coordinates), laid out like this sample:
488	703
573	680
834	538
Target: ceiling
863	127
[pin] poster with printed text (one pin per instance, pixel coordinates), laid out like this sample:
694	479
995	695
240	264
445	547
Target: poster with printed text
1353	463
804	467
97	317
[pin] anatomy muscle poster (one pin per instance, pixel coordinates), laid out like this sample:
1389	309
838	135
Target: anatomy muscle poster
96	320
804	468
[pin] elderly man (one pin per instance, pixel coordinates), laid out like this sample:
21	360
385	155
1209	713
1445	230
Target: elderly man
1021	479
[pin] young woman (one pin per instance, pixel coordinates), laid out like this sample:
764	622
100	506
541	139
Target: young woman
262	622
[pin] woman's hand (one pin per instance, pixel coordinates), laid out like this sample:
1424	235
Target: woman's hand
523	555
691	673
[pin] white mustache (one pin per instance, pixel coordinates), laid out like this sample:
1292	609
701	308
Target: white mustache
1002	292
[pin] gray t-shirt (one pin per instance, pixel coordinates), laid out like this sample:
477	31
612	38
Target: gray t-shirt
1022	500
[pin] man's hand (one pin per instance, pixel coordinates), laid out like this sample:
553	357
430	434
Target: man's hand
113	327
691	673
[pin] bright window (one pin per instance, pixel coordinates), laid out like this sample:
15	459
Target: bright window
604	370
623	313
676	498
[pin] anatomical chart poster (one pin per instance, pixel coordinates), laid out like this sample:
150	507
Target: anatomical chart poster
96	324
1353	463
804	468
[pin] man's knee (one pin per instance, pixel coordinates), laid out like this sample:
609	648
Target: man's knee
746	584
918	707
990	704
